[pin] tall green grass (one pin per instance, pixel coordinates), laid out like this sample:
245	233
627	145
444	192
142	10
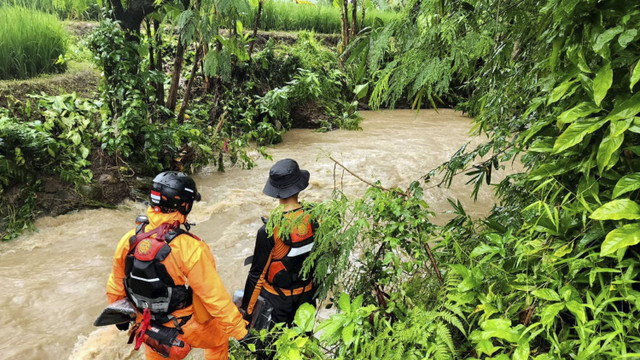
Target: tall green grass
30	43
64	9
289	16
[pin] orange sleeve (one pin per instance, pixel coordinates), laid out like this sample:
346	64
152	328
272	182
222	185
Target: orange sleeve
200	270
115	284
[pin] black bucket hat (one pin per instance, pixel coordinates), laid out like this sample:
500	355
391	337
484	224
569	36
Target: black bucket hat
286	179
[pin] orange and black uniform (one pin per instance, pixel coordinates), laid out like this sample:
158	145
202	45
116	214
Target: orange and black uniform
267	271
213	317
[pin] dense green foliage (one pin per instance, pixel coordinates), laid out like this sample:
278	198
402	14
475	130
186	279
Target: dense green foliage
290	16
553	272
30	43
51	137
237	102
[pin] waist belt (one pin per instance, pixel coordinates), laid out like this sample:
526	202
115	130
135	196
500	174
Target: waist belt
286	292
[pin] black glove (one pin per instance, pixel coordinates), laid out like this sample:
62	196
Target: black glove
123	326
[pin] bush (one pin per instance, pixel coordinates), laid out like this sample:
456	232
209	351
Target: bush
288	16
31	43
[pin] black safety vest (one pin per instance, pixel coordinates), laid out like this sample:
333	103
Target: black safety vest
288	256
147	282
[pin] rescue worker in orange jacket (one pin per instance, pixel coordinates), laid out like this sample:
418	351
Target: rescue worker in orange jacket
170	275
275	272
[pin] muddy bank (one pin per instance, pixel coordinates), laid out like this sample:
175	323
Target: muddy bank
82	79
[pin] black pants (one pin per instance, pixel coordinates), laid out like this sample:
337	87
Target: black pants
284	311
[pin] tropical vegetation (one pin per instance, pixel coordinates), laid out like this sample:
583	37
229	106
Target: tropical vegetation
551	85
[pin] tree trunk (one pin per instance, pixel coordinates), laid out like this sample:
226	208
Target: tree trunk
187	93
354	18
175	78
159	62
206	79
152	62
255	27
362	19
345	24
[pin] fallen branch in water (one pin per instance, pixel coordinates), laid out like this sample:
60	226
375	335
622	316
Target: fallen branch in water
361	179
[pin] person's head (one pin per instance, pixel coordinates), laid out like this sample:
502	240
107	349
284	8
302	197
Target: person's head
286	181
173	191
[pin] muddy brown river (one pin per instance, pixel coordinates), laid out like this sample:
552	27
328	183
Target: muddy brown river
54	278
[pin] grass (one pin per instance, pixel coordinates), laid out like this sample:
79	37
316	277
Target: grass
289	16
31	43
64	9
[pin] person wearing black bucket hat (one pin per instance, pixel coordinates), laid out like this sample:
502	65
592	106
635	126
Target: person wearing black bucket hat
286	180
275	273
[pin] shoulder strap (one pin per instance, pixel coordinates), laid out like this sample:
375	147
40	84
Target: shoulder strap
177	232
174	234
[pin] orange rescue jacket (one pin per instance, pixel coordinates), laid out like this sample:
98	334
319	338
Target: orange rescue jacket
190	262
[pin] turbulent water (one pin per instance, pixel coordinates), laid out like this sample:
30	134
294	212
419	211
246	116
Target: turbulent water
54	279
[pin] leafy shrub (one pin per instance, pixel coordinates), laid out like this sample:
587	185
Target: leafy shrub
290	16
55	141
317	82
31	43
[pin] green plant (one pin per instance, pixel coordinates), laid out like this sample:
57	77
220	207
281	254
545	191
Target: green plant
31	43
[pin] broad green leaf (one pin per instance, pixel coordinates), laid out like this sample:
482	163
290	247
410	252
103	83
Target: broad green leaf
522	351
626	37
357	303
635	76
581	110
602	83
626	184
605	38
627	109
305	316
546	294
576	132
499	328
481	250
620	238
294	354
331	328
576	56
560	90
549	313
347	334
486	347
84	152
619	126
617	210
344	303
577	310
361	90
563	250
608	146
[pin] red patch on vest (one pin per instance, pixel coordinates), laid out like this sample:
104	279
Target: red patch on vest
148	248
